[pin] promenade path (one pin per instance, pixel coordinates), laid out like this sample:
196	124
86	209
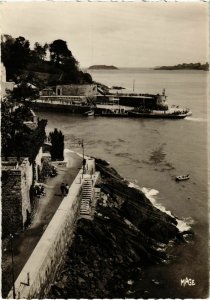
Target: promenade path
25	243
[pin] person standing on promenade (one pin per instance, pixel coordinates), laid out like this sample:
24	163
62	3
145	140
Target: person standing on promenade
62	188
67	189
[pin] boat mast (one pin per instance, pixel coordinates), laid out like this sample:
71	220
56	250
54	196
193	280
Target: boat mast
133	85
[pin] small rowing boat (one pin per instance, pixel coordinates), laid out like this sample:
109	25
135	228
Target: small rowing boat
182	177
89	113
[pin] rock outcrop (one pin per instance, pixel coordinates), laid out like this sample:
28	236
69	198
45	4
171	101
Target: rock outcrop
111	252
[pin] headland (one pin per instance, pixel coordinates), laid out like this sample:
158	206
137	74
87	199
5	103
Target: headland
184	66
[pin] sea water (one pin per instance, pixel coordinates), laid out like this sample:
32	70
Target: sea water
150	153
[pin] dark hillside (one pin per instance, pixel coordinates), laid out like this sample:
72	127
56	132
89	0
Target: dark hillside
20	60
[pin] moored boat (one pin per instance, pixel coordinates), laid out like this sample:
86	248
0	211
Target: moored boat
158	114
126	105
182	177
139	106
89	113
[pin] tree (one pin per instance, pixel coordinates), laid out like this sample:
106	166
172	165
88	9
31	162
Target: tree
20	52
19	59
24	91
87	78
16	138
57	140
206	67
6	129
59	51
6	49
40	51
16	54
70	73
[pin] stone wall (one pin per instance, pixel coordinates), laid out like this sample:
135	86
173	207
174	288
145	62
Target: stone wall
5	85
76	90
38	164
17	179
16	182
26	183
12	220
50	251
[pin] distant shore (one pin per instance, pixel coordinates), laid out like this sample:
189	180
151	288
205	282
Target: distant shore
102	67
184	66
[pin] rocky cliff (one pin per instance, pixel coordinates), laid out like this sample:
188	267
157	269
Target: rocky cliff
111	252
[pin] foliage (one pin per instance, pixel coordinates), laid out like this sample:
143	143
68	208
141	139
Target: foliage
24	91
46	171
59	51
15	52
88	78
16	138
57	140
7	129
19	59
34	139
40	51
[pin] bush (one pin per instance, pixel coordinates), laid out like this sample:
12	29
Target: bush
57	140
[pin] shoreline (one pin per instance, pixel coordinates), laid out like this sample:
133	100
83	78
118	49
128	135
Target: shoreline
120	242
181	224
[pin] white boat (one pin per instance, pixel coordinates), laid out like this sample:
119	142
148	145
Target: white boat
182	177
89	113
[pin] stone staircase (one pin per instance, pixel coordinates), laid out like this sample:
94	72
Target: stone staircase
87	196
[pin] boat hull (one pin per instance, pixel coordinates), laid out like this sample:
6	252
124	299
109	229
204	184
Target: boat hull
83	109
89	113
182	178
62	108
157	115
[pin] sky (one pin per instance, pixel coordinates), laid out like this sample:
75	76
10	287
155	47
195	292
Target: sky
124	34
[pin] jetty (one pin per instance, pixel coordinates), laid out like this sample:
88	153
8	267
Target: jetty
93	100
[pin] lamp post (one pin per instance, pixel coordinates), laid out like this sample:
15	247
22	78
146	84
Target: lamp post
83	158
13	276
133	85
